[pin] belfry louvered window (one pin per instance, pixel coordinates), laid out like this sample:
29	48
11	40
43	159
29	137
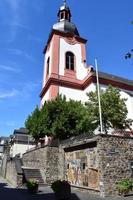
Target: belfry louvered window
70	60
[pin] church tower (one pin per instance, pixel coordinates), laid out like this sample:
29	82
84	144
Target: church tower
65	58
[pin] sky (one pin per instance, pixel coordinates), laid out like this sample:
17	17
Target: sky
24	29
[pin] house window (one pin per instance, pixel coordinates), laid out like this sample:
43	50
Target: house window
70	60
48	65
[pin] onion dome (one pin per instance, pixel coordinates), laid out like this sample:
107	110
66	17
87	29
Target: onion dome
64	23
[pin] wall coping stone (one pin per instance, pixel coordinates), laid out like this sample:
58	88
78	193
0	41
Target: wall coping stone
81	140
75	141
35	148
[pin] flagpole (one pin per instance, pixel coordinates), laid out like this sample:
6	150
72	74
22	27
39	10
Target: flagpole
99	100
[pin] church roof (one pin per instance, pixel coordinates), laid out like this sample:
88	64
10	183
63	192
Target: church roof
115	78
66	26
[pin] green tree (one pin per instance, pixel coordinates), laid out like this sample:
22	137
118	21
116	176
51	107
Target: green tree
114	110
33	124
59	118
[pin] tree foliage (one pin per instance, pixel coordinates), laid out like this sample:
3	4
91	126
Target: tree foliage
33	124
62	119
114	110
59	118
129	54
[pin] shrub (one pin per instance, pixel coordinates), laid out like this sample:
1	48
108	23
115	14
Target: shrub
56	186
124	186
32	185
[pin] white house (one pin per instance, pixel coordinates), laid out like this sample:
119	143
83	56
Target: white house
20	142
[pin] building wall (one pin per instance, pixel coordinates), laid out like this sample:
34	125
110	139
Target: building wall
45	98
129	103
81	95
20	149
81	71
77	95
47	54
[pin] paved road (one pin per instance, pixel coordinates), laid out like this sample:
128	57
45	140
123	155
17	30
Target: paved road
7	192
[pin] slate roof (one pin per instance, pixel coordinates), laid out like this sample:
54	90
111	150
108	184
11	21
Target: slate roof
115	78
66	26
21	136
20	131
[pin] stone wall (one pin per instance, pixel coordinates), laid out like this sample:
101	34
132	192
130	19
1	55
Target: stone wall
36	158
112	160
115	155
3	166
48	159
11	174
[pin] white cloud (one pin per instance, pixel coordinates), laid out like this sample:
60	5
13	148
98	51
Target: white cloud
9	68
8	94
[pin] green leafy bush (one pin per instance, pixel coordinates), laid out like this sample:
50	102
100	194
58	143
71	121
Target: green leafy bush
124	186
32	185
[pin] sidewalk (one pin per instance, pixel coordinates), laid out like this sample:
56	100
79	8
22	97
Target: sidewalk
8	192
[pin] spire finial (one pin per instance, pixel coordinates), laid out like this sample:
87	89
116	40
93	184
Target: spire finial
64	2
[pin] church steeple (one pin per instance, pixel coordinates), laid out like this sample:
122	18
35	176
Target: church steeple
64	23
64	13
65	55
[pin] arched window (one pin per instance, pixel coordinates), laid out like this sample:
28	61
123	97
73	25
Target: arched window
70	60
48	65
62	15
66	16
